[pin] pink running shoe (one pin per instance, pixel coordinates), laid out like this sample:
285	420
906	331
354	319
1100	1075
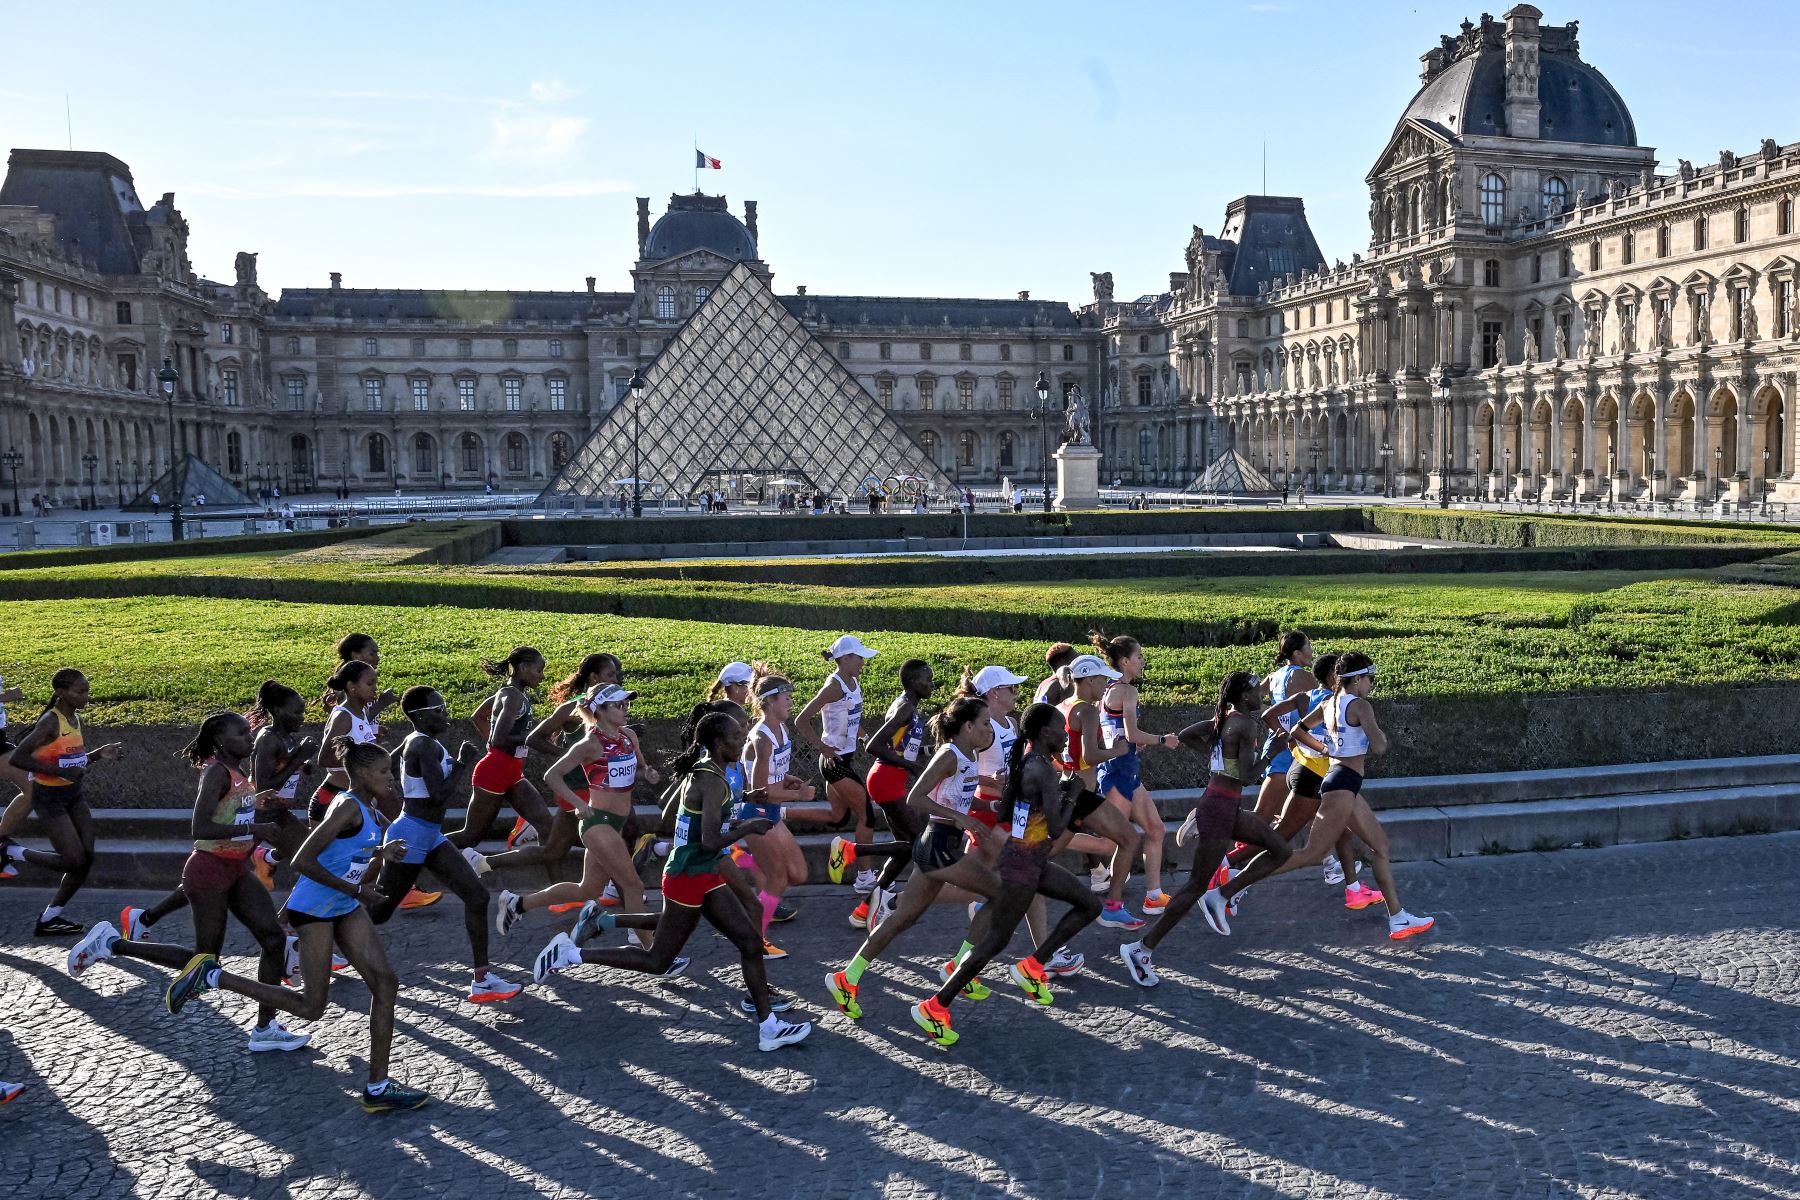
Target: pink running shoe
1358	897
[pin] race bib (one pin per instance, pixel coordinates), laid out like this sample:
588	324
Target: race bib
1021	818
522	751
621	772
353	875
70	761
684	830
245	816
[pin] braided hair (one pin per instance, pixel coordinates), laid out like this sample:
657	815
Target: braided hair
1032	725
206	742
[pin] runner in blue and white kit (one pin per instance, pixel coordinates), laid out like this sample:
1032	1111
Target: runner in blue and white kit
838	709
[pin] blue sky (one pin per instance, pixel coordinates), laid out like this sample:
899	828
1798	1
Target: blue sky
919	149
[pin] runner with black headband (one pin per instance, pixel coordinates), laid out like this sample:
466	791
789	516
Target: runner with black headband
895	746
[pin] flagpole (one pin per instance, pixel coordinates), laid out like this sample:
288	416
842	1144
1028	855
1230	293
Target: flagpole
696	160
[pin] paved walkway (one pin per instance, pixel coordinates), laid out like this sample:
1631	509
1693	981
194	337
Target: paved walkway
1586	1023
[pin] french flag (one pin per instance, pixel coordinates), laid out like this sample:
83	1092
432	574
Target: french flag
702	162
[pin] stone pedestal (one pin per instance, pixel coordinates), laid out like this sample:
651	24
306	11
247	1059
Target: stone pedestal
1077	477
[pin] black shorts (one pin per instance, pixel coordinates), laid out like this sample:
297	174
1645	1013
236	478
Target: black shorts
940	846
844	766
6	743
1086	802
297	919
1341	779
1021	866
1302	780
49	802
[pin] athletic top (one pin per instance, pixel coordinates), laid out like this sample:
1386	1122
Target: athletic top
1025	821
1306	758
348	857
1112	730
288	788
1341	740
1074	757
237	807
909	738
521	725
362	730
842	718
993	761
616	768
1278	691
957	790
1218	765
781	753
66	750
734	779
686	854
1052	691
413	787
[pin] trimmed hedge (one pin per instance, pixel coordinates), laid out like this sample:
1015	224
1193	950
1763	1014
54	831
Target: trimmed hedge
192	548
1519	531
422	543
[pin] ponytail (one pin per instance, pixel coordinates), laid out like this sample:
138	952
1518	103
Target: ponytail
710	728
506	666
1291	644
965	686
1113	649
586	674
347	674
273	694
955	716
1324	669
206	742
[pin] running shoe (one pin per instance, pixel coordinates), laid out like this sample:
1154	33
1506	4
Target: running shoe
677	968
559	955
59	926
1065	962
783	914
778	1002
97	945
8	870
974	989
775	1034
1403	925
262	864
643	851
489	987
884	900
559	909
1029	976
591	923
130	922
934	1019
1120	918
9	1091
1334	870
508	913
394	1098
1156	902
1137	964
1232	907
418	899
1222	876
1189	828
276	1037
338	961
1099	878
523	834
290	970
859	916
1215	910
475	860
771	950
843	992
194	979
865	881
610	897
1359	896
843	853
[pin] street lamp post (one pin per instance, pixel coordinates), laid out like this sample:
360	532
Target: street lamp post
1387	470
12	460
1537	474
1650	475
1312	451
1718	473
1042	388
90	460
1612	479
119	478
1765	482
1444	382
637	403
1574	474
1480	489
1507	478
167	378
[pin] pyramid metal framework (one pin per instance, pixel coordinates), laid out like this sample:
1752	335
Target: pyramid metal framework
196	478
745	391
1232	474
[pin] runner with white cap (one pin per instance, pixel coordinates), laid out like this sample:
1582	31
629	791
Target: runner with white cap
837	709
733	684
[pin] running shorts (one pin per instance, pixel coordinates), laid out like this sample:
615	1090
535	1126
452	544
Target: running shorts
582	793
749	810
611	820
205	871
1303	780
985	814
497	771
1215	813
421	836
1023	866
1086	803
844	766
1341	779
1120	775
49	802
6	743
887	784
690	891
1278	766
940	846
321	800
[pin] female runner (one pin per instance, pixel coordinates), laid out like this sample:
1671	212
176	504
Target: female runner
692	887
1120	781
895	746
770	785
19	807
1058	685
548	738
500	775
838	709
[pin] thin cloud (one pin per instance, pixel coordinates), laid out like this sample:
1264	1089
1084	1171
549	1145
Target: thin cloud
552	91
567	189
524	136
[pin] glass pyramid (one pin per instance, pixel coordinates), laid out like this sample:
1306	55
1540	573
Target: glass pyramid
1232	474
744	397
193	478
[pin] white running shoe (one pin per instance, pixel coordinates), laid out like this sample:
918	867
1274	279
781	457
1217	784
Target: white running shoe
490	987
610	892
1065	962
1213	908
508	913
129	922
1334	870
1403	925
559	955
290	970
881	905
865	883
92	948
1137	964
1188	829
1099	878
475	860
974	907
774	1034
677	968
276	1037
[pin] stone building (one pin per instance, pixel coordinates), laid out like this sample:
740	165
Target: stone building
1539	312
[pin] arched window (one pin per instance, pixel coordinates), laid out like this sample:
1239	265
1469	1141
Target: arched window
1415	207
965	449
1006	450
424	455
234	453
700	295
1742	226
1556	195
1699	233
471	454
515	453
1146	446
1493	199
377	454
559	451
665	303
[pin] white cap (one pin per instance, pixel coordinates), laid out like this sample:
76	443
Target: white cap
607	693
1090	665
735	672
849	644
989	678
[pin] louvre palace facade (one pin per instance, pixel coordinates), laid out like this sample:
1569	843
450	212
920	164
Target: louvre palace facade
1541	311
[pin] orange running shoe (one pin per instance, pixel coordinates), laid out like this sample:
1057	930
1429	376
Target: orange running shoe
418	899
571	906
859	916
264	868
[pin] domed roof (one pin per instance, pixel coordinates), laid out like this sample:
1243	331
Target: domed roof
1468	95
695	222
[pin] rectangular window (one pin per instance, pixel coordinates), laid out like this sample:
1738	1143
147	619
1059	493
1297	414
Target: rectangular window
513	389
925	351
1537	268
1143	390
512	347
293	345
371	346
226	332
965	394
887	350
465	395
1784	304
555	347
1005	351
372	395
965	352
1006	393
1565	263
1593	256
1743	225
1068	352
928	394
296	394
1491	334
1784	217
128	371
559	395
466	348
418	347
421	393
1662	241
228	381
884	392
122	310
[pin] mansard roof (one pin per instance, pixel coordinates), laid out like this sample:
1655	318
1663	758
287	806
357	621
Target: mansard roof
92	198
460	307
924	313
1266	237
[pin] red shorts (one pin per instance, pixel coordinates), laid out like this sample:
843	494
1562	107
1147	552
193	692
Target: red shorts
984	814
888	785
205	871
690	890
1215	813
497	771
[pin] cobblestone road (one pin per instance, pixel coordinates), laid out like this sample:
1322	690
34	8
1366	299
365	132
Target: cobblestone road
1585	1023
